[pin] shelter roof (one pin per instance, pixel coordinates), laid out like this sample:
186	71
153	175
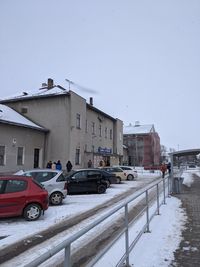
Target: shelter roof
187	152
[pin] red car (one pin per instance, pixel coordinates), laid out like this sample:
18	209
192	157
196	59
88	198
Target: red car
22	196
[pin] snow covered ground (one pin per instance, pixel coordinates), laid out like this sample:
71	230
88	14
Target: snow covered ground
153	249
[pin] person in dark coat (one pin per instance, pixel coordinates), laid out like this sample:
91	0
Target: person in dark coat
49	164
89	163
69	166
58	165
169	167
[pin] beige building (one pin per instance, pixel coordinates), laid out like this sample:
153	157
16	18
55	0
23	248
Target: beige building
22	142
77	130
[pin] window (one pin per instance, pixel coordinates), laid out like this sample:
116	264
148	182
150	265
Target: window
100	134
15	186
106	132
2	155
110	133
24	110
20	156
86	126
77	156
78	121
93	128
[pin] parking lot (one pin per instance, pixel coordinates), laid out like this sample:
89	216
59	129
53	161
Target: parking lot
17	229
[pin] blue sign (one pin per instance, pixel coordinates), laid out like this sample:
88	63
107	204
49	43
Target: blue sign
104	150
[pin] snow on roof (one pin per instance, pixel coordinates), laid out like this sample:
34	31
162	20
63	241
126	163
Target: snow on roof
8	115
56	90
138	129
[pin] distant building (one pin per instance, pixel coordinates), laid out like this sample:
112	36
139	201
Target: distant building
143	145
72	129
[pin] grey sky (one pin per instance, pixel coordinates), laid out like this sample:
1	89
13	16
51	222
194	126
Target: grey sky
141	56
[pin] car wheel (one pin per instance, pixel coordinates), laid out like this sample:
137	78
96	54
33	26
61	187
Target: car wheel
32	212
108	183
118	179
56	198
130	177
101	189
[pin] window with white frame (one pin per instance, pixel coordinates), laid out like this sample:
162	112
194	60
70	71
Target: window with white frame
77	156
20	155
2	155
78	121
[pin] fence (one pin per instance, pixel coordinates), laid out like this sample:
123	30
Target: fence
159	189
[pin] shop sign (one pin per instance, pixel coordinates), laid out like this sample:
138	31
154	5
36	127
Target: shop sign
104	150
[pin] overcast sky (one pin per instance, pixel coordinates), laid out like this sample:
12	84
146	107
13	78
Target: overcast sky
142	57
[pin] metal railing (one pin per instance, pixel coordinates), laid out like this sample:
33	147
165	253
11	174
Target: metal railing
160	189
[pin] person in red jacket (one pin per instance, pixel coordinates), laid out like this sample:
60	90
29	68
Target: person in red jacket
163	169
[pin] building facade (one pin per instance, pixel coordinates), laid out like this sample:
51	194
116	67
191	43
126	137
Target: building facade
22	142
77	131
143	145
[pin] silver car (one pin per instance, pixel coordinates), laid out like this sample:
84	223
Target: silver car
53	181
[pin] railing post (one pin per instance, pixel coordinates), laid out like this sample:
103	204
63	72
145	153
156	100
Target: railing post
164	196
147	211
157	194
67	260
168	185
126	235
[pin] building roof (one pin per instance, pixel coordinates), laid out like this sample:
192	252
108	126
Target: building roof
44	92
41	93
138	129
10	116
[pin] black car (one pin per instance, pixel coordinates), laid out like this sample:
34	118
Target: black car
88	181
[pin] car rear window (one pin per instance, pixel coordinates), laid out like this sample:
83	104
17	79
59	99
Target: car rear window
15	186
1	185
41	176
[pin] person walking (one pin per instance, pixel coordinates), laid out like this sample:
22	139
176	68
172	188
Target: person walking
53	166
49	164
163	169
69	166
58	165
169	167
89	163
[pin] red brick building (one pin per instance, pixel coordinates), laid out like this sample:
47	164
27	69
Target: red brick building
143	145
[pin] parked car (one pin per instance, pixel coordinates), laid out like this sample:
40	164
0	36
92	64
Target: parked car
53	181
120	174
130	172
86	181
22	196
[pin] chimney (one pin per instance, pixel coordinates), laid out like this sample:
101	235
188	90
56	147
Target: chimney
91	101
50	83
137	123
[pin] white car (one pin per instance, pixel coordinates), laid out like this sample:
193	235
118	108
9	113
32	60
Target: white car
53	181
130	172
